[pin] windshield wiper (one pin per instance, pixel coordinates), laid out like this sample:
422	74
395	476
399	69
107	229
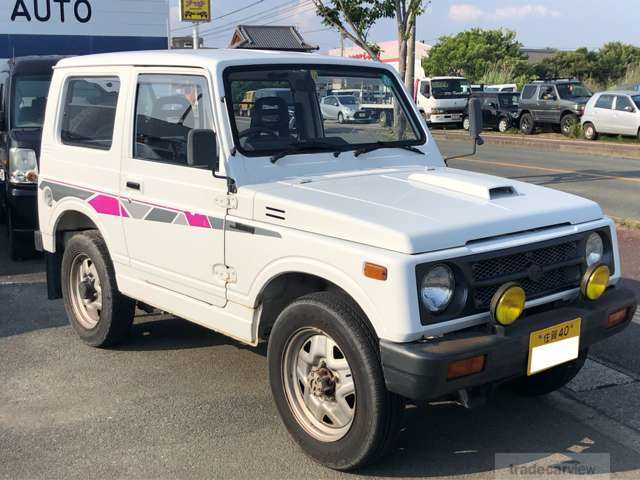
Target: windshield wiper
379	145
301	147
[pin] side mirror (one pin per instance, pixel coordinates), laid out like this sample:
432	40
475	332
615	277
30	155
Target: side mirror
475	120
202	149
629	109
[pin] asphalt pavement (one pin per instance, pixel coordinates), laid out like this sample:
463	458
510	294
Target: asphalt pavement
179	401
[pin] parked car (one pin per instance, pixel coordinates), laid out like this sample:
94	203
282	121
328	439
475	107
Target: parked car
615	113
499	110
443	100
502	87
553	103
343	108
24	86
375	273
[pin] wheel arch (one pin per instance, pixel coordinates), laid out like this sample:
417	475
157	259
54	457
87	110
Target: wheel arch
69	216
281	288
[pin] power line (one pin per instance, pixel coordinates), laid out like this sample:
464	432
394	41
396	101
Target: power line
228	14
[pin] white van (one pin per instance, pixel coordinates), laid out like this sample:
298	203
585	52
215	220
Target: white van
375	273
443	100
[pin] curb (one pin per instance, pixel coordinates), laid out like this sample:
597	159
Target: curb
606	149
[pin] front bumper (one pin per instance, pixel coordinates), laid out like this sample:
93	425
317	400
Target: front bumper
440	118
22	204
418	370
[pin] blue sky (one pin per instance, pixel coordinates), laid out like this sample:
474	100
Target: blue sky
564	24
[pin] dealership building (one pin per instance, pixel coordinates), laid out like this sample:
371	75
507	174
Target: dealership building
73	27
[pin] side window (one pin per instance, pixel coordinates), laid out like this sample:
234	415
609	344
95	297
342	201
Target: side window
89	112
547	93
168	107
528	92
605	101
623	104
424	88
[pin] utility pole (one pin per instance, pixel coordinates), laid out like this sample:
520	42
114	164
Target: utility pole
196	36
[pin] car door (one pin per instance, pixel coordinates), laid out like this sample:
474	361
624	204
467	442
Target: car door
603	114
547	100
489	110
174	227
624	116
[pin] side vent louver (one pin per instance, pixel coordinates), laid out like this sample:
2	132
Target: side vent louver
502	192
275	213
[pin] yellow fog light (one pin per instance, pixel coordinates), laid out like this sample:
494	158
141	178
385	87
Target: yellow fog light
595	281
508	304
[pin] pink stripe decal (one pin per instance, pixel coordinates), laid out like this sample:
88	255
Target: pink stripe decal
197	220
105	205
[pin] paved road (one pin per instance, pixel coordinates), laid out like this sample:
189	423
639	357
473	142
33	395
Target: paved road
612	182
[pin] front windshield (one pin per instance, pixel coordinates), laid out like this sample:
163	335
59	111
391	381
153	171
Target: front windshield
636	100
450	88
29	100
346	100
311	118
510	100
568	91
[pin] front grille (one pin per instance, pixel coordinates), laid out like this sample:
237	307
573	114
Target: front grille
540	272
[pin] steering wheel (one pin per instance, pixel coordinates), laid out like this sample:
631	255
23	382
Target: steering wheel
257	131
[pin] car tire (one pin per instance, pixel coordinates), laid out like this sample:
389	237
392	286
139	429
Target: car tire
98	312
550	380
567	122
325	327
503	125
465	123
590	132
340	118
527	124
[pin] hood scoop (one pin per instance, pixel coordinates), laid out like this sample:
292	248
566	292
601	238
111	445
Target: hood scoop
480	186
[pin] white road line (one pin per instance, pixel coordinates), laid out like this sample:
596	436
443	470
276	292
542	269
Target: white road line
26	279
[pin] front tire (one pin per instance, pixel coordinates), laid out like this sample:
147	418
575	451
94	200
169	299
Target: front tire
590	132
465	123
527	124
98	312
550	380
340	118
503	125
327	383
567	123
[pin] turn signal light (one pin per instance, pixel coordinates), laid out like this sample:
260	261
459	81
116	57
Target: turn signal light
463	368
595	281
616	318
508	304
377	272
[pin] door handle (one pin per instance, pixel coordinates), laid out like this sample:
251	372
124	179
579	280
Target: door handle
133	185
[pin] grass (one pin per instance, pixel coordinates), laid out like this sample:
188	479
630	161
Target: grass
629	223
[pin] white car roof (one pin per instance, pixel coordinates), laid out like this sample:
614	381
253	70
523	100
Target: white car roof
619	92
209	58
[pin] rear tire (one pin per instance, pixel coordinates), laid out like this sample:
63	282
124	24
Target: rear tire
98	312
374	417
550	380
466	123
527	124
503	125
567	123
590	132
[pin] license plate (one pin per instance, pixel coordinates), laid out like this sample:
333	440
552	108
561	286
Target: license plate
554	345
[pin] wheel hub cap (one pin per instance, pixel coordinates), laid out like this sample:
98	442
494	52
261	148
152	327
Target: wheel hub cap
85	291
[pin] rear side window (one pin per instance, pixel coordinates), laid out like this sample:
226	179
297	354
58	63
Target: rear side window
605	101
528	92
168	107
89	112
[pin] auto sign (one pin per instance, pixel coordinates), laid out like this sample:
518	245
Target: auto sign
195	10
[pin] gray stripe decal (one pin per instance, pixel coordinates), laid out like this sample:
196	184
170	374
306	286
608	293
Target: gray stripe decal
137	210
216	223
161	215
61	191
242	228
181	220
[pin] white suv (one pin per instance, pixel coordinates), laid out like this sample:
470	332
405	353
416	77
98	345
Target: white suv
375	273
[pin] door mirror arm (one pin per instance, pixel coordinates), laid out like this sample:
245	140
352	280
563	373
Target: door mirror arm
475	128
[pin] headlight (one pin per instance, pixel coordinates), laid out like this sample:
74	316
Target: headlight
579	107
594	249
23	166
437	288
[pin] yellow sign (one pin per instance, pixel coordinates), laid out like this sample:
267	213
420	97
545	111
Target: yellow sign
195	10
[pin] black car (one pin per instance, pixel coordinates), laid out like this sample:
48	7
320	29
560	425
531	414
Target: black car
557	103
499	110
24	86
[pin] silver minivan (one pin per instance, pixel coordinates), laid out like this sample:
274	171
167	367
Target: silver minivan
615	113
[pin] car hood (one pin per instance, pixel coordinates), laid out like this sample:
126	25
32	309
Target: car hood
416	211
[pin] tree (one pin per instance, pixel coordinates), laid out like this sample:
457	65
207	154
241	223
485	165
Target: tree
406	13
354	19
473	52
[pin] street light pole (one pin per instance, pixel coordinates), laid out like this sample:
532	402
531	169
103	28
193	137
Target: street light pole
196	36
